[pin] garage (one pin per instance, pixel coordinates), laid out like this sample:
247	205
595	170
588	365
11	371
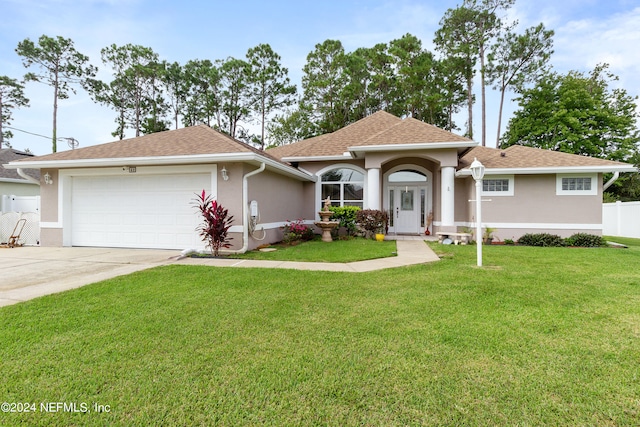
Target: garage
136	211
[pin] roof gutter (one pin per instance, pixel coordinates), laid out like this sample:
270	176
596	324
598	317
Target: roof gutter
245	210
613	179
27	177
548	170
160	161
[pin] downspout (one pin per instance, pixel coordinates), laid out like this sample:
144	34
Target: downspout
245	210
27	177
613	179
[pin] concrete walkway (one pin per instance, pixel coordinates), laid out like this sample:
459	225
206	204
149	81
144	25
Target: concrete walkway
31	272
409	252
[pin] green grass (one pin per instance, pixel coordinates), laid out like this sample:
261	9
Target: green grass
539	336
351	250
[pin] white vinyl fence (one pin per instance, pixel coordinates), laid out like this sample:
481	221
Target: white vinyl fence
11	203
621	219
30	235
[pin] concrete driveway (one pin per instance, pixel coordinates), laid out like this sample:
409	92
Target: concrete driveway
30	272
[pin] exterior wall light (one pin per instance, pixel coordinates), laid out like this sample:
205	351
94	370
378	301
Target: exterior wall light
47	179
477	171
224	173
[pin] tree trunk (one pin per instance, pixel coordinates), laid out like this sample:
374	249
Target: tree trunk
1	136
500	116
54	138
470	107
483	95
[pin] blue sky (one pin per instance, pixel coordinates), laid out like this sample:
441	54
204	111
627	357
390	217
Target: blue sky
588	32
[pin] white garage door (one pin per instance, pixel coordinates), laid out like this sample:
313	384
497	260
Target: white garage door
137	211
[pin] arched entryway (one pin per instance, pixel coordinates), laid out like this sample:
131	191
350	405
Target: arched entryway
407	197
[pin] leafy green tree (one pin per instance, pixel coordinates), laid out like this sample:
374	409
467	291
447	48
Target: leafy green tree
323	81
466	33
579	114
452	72
290	127
270	84
11	97
355	94
517	59
203	101
134	91
380	65
236	94
456	39
61	66
174	83
412	67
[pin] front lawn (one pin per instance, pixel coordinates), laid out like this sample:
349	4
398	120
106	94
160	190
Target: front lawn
356	249
539	336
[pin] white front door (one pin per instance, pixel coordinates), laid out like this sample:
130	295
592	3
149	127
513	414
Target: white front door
406	208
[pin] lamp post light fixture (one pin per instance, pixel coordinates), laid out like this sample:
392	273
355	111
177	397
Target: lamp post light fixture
47	179
477	171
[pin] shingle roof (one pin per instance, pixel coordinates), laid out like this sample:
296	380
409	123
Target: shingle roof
380	128
521	157
187	141
9	155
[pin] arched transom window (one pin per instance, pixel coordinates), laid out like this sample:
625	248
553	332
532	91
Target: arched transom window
407	176
344	186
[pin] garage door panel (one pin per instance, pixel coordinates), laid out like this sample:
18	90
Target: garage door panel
144	211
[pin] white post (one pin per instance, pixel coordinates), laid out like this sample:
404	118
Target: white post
479	221
477	171
373	188
447	196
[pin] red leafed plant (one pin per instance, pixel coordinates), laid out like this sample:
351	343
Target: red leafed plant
215	227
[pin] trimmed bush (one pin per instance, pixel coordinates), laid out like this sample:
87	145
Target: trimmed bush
541	239
347	217
585	240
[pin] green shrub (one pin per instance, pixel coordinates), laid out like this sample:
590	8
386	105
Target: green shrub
347	217
541	239
508	242
295	231
585	240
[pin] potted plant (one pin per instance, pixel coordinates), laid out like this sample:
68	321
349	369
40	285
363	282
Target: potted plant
488	235
429	221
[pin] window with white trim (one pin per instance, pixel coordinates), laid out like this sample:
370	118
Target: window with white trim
576	185
344	186
498	186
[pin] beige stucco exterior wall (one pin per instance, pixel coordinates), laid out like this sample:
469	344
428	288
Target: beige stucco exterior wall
49	210
279	198
534	202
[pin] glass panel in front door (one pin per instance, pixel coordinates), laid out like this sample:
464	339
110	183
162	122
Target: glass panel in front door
406	198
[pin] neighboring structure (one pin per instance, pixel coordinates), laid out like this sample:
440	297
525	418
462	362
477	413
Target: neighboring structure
12	184
138	192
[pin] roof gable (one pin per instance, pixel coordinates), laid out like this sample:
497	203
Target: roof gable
378	129
412	131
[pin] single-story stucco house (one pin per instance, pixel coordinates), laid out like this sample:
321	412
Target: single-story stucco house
138	192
